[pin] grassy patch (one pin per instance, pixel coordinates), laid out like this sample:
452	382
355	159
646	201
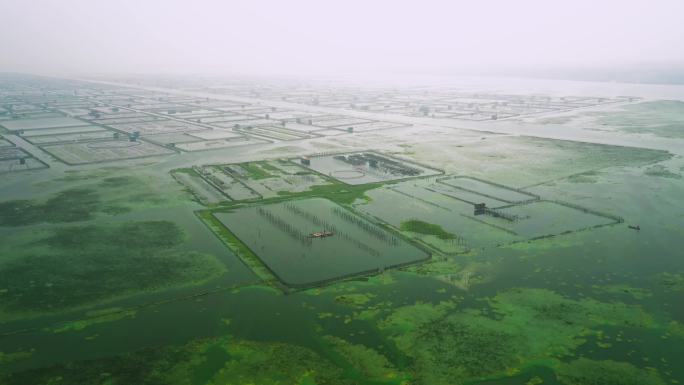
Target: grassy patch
336	191
255	170
188	171
420	227
270	168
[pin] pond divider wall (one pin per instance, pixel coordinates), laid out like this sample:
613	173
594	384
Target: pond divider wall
534	197
616	218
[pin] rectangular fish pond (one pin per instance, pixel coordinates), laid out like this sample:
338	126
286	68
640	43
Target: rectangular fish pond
488	189
314	241
365	167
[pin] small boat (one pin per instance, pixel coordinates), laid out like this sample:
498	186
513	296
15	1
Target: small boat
637	228
321	234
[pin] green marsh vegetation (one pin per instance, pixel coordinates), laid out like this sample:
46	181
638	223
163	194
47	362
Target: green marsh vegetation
71	205
258	170
268	167
111	195
224	361
75	266
516	329
363	363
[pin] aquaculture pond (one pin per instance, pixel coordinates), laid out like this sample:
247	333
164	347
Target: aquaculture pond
488	189
33	124
312	241
366	167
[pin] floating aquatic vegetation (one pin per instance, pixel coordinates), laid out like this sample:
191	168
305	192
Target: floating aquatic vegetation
447	270
373	312
112	195
410	318
589	372
634	292
671	281
436	266
271	363
71	205
449	349
676	328
371	365
545	304
361	283
520	327
354	299
89	264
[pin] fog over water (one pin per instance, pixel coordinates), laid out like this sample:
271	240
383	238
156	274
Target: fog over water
628	40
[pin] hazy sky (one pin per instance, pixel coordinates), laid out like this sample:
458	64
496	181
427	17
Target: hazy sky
302	37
